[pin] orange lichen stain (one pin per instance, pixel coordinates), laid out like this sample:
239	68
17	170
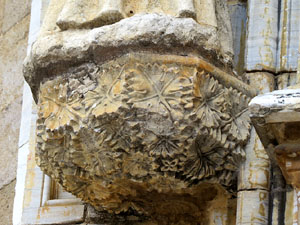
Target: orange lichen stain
67	213
262	210
117	88
289	208
45	209
259	174
267	175
262	196
30	177
192	61
38	217
28	185
27	198
31	160
42	211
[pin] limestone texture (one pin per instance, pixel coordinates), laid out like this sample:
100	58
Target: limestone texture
276	118
149	32
158	125
13	13
253	208
9	134
14	25
7	194
13	46
139	110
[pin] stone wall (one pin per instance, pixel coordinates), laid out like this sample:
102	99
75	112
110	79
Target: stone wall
14	26
274	69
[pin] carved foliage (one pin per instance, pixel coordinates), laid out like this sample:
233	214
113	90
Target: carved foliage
131	121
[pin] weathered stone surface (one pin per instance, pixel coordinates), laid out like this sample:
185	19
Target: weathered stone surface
291	207
238	17
276	118
144	115
261	45
154	128
14	12
255	171
263	82
9	133
95	13
287	79
7	194
2	4
254	208
98	13
149	32
13	47
276	107
273	35
289	31
14	26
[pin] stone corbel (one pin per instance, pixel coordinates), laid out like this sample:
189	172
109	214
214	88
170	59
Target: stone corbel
144	115
276	117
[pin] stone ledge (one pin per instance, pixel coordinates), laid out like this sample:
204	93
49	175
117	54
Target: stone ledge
149	32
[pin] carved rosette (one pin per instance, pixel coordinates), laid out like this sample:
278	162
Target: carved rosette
120	133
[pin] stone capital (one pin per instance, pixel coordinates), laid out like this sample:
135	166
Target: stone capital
144	114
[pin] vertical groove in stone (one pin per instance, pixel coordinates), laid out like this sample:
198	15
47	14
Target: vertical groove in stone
238	16
277	197
289	31
254	174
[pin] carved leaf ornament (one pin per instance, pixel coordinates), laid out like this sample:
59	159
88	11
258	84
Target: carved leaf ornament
103	127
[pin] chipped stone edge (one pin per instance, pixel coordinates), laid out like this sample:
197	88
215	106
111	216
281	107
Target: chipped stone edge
277	106
172	35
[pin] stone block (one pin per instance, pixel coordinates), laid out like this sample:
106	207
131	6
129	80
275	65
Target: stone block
287	79
263	81
252	207
291	208
9	133
13	47
238	16
14	12
288	35
2	2
6	203
255	171
262	29
71	214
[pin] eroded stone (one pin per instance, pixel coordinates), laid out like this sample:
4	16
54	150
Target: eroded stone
142	126
277	120
144	114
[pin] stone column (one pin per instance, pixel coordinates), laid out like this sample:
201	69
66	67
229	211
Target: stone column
260	56
145	115
262	34
254	176
271	51
238	16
